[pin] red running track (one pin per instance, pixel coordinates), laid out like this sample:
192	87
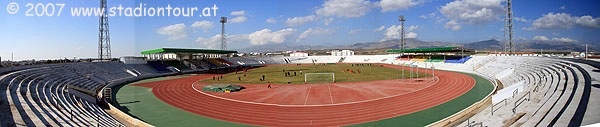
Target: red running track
179	93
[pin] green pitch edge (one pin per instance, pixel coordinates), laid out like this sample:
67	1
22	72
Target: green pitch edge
141	103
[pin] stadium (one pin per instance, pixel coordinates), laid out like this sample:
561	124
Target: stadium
187	86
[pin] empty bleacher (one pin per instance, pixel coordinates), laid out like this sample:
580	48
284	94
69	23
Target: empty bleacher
551	93
38	97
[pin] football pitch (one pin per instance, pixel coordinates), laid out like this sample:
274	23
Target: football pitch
277	74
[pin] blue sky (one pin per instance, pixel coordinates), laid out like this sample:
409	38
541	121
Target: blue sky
302	22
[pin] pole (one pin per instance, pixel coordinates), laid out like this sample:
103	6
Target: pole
586	52
510	30
411	73
433	72
417	67
403	69
12	57
397	73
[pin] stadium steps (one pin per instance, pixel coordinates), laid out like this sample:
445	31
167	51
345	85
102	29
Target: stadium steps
561	108
37	97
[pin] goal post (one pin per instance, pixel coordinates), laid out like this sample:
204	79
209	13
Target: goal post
319	77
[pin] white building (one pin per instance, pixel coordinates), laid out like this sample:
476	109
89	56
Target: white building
342	53
299	54
133	60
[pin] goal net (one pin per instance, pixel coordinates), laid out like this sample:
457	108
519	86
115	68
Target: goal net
319	77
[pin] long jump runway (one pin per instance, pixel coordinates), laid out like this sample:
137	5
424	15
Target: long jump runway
330	105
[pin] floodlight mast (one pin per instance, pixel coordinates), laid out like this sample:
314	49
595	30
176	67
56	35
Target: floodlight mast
510	26
402	35
223	36
401	18
104	35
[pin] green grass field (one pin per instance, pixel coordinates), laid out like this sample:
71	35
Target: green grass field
275	74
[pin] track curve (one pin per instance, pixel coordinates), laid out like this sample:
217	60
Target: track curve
178	93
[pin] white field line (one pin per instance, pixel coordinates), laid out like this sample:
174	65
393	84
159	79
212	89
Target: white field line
308	93
199	91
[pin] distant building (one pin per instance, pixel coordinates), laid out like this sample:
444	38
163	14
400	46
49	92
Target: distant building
342	53
299	54
133	60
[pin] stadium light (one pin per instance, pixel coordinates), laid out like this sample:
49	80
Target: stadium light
223	38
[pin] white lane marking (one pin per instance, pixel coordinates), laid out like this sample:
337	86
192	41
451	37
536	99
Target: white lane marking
306	100
330	97
310	105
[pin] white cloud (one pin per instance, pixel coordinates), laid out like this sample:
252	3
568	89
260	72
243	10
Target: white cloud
344	8
588	22
564	21
411	35
329	20
521	19
473	11
411	28
215	41
394	5
238	13
271	20
238	19
316	31
393	32
354	31
540	38
555	34
297	21
175	32
423	17
562	8
379	29
204	25
453	25
564	39
265	36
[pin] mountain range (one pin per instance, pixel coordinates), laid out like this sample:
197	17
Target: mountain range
531	45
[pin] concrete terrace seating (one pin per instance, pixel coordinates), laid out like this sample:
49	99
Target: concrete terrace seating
551	96
38	96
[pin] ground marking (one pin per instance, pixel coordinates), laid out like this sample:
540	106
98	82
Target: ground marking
331	97
199	91
306	100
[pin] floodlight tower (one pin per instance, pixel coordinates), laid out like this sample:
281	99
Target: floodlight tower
402	34
510	26
505	45
223	38
104	35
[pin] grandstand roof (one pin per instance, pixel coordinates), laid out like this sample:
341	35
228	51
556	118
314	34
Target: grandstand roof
181	50
443	49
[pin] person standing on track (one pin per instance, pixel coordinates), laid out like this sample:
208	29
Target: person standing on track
269	86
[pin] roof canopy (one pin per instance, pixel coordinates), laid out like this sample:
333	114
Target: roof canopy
180	50
425	50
